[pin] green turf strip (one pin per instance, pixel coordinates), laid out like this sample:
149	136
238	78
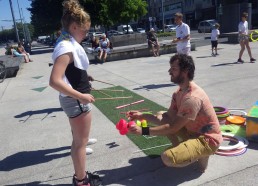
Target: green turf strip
107	107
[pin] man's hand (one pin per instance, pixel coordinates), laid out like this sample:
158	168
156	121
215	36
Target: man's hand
134	129
134	115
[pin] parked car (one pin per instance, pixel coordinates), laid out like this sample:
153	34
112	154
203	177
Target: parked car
170	28
114	33
123	28
206	25
140	30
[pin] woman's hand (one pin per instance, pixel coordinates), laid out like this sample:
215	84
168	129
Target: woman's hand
134	115
86	98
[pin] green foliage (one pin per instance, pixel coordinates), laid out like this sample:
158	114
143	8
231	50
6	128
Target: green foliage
10	34
46	14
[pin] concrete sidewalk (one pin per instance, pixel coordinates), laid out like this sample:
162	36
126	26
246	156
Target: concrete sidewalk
35	134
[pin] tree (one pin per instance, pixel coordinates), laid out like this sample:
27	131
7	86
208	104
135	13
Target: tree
46	14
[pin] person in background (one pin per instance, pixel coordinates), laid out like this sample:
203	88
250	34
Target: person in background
182	35
153	42
21	50
214	39
244	39
104	48
15	53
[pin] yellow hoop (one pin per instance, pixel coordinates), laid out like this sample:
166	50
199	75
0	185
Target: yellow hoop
251	35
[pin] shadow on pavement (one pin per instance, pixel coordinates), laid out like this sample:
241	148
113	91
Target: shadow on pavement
29	158
253	145
204	56
154	86
36	183
144	165
224	64
43	111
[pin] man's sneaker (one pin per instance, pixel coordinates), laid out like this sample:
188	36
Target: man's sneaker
252	60
212	54
92	141
89	151
240	61
94	179
216	54
83	182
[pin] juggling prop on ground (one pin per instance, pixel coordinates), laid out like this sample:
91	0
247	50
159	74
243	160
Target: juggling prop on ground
238	148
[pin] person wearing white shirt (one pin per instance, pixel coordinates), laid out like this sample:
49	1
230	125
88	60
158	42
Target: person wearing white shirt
244	39
182	35
214	39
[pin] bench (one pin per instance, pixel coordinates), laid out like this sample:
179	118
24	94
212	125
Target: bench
12	64
136	51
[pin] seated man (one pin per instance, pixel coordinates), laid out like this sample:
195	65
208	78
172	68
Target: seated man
190	123
17	54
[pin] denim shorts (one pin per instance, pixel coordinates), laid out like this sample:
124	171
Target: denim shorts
72	107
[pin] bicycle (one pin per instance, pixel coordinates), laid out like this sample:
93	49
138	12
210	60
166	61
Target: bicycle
2	71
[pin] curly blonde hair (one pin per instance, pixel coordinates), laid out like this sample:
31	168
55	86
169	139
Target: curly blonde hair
74	12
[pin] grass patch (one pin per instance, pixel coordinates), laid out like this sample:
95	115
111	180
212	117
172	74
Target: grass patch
107	107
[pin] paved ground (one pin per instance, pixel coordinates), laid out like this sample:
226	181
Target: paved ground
35	134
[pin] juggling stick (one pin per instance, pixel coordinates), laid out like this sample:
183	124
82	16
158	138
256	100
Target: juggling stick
113	98
102	93
122	106
104	82
144	109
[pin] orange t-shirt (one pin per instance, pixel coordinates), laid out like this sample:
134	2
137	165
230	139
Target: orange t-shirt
194	104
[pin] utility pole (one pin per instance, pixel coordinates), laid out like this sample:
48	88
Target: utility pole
163	23
24	34
14	23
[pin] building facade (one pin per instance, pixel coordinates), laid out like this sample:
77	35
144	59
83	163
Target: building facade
194	11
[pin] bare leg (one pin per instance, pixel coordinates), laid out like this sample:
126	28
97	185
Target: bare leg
248	49
153	50
157	49
105	56
242	44
80	129
100	54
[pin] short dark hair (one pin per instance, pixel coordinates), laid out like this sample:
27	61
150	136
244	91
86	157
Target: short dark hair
244	14
217	25
179	15
185	62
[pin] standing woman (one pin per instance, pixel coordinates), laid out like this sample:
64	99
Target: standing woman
244	38
70	78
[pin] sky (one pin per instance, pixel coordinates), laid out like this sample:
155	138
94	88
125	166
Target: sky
6	14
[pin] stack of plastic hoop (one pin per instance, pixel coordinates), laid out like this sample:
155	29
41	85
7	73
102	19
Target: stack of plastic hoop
222	114
226	116
238	148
